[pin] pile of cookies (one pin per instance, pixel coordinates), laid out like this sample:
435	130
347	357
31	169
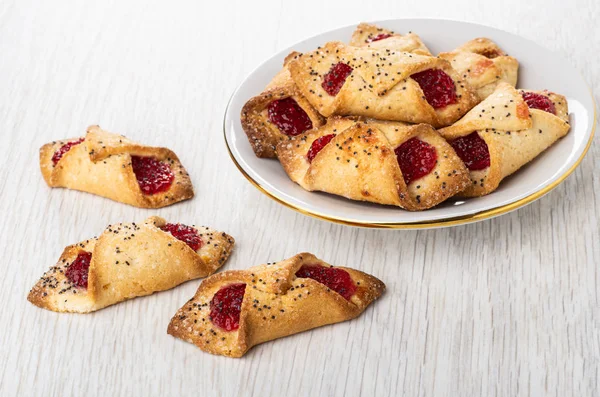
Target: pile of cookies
383	120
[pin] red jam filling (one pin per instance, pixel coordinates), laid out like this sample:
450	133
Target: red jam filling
473	151
437	86
77	272
187	234
289	117
226	305
64	149
538	101
152	175
318	145
336	279
335	78
380	36
416	159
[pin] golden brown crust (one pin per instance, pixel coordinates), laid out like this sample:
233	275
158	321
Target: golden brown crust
276	303
101	165
129	260
514	134
380	85
483	64
360	163
365	33
262	134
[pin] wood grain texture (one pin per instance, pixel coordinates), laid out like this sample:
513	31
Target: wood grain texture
505	307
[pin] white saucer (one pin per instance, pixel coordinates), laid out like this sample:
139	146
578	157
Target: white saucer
539	69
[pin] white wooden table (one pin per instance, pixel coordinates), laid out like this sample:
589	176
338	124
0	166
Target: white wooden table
505	307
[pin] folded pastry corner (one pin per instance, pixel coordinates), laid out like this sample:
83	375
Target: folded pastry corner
112	166
279	111
235	310
129	260
483	64
373	36
506	131
392	163
382	83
